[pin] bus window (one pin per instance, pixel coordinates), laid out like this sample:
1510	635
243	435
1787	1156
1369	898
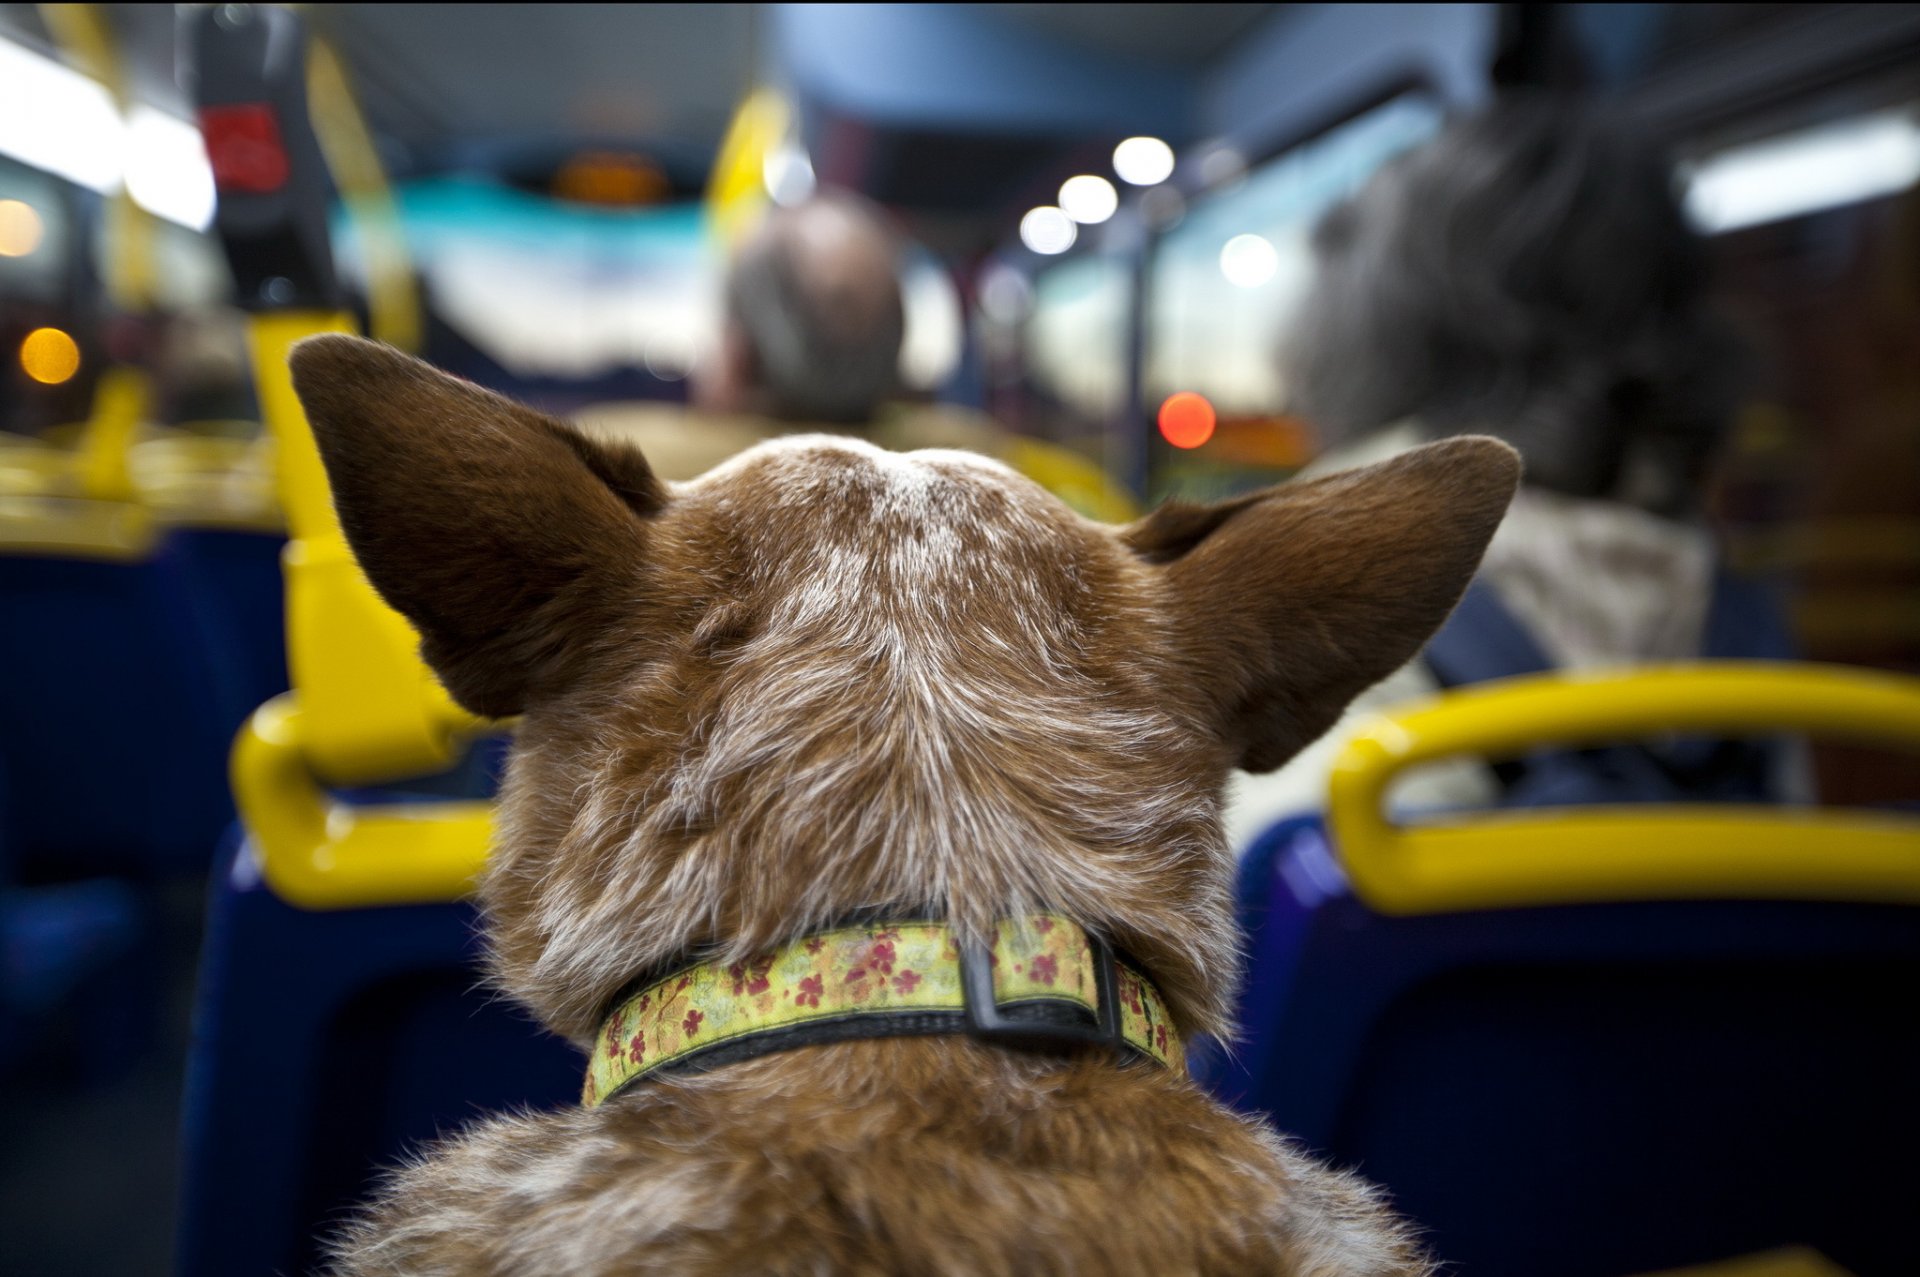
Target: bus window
1224	283
1819	487
1076	355
638	286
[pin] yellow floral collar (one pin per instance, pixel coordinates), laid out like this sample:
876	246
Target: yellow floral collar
1045	975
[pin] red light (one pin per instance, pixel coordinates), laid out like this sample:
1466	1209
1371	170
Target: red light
1186	420
244	148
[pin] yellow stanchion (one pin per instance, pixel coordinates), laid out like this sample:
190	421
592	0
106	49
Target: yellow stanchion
86	37
371	711
737	192
364	708
1631	852
393	303
120	403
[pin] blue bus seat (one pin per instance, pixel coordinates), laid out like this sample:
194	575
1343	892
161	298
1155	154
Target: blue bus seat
325	1046
120	698
1590	1090
234	583
60	947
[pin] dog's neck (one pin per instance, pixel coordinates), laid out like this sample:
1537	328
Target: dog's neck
879	735
807	811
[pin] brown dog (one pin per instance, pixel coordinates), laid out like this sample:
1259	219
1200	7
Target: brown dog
826	679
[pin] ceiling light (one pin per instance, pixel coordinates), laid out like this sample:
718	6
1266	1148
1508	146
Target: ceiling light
1047	230
56	119
788	174
1143	161
1088	200
1820	168
167	170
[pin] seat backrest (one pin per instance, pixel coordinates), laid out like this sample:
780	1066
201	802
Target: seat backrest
1592	1089
233	575
328	1045
118	712
1601	1041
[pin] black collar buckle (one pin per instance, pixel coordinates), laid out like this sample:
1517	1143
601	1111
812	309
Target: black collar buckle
986	1021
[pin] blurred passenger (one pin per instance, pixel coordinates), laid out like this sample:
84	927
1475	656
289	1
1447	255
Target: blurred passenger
813	319
1530	274
812	324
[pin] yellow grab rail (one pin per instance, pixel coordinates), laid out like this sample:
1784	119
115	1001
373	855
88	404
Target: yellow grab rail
44	525
370	709
393	301
364	706
120	401
736	191
87	37
1567	855
319	853
80	501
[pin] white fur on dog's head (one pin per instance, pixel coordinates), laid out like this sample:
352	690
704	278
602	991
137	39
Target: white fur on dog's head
825	677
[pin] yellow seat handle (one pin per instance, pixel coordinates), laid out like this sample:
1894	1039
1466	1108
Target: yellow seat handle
1503	859
319	853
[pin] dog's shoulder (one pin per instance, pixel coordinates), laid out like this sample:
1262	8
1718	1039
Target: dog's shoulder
516	1193
735	1173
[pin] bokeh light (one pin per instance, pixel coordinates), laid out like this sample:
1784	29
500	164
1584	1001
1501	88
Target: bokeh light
1047	230
1005	295
1143	161
20	228
49	356
1088	200
167	170
1186	419
1163	208
1248	261
787	173
935	336
1222	165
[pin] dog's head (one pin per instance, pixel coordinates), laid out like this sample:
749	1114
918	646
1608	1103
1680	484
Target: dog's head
824	677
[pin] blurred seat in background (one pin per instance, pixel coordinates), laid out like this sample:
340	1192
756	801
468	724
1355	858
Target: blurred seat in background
326	1045
1604	1041
117	731
59	947
145	626
1478	284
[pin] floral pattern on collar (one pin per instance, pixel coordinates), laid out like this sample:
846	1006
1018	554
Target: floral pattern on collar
910	966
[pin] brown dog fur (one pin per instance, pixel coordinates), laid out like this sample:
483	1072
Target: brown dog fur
823	677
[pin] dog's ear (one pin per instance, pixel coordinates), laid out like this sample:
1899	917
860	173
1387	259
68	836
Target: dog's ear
506	537
1288	603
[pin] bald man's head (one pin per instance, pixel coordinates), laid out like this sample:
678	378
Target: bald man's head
814	301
